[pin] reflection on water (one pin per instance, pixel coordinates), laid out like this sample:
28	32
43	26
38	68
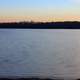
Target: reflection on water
45	53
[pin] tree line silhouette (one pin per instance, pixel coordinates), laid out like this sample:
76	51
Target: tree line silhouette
42	25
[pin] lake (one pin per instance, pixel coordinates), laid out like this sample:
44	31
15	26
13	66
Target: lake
41	53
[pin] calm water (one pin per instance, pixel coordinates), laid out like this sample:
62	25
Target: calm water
44	53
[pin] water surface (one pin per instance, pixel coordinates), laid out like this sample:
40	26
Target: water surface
44	53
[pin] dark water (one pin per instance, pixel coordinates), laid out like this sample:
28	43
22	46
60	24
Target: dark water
43	53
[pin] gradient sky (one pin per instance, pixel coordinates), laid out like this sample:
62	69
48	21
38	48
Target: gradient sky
39	10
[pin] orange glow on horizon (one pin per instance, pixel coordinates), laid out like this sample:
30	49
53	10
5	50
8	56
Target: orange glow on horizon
39	19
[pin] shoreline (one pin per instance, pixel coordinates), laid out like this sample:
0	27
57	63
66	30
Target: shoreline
41	25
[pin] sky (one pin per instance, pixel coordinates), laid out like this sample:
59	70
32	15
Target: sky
39	10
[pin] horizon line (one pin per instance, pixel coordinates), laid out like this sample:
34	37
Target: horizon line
37	21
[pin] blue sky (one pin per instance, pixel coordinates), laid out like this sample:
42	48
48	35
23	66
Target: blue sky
39	10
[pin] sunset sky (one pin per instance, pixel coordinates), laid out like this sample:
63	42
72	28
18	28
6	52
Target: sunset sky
39	10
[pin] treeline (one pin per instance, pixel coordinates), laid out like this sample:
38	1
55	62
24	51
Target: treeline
42	25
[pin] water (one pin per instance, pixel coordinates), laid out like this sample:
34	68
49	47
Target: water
43	53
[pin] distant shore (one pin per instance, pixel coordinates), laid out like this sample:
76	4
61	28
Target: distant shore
41	25
33	79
